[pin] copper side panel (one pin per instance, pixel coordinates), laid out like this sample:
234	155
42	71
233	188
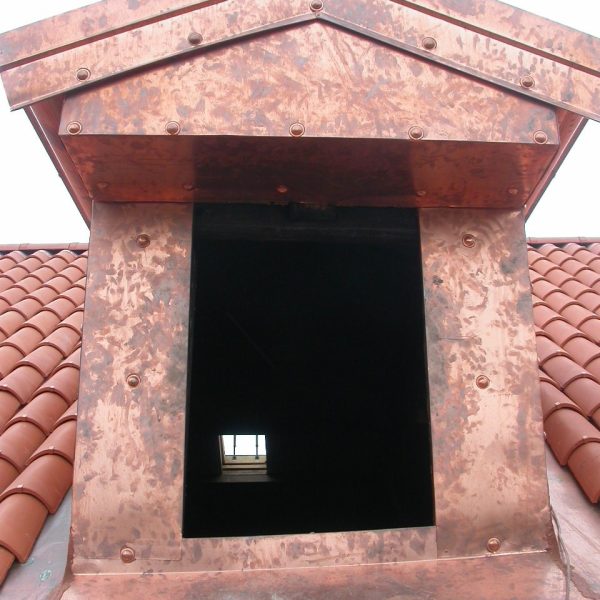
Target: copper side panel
130	436
486	425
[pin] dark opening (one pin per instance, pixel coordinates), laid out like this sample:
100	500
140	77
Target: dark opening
308	327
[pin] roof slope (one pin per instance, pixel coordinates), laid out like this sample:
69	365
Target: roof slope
565	282
41	314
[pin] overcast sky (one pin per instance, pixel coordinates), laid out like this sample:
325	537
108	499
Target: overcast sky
37	208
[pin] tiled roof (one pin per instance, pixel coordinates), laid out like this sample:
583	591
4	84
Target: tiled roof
565	280
41	313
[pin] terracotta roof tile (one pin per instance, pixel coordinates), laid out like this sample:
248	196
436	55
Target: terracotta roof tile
585	464
47	478
61	442
41	314
19	442
568	340
44	411
566	430
22	517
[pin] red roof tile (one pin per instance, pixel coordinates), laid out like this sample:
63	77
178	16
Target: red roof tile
41	296
566	277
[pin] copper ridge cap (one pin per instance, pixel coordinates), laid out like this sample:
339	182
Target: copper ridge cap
358	16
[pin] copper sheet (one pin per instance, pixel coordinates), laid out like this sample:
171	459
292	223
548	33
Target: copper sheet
488	450
130	440
335	83
283	552
338	86
341	172
472	52
504	21
76	27
526	577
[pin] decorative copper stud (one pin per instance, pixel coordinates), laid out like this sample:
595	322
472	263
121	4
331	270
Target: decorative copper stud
188	187
416	133
127	554
527	81
513	191
468	240
133	380
173	128
82	74
493	545
540	137
421	193
143	240
297	130
282	189
102	185
316	5
74	127
482	382
195	38
429	43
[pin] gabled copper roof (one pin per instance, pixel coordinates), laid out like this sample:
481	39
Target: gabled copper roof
483	42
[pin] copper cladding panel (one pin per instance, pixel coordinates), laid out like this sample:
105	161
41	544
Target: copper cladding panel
487	441
524	577
365	97
474	51
130	440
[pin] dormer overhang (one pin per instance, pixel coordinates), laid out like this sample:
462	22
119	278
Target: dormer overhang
427	103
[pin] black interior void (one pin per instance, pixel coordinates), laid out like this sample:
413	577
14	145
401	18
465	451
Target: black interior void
314	336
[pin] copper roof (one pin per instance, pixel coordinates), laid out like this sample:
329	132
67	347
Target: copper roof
41	313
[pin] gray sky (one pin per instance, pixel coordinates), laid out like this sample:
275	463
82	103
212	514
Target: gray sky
37	208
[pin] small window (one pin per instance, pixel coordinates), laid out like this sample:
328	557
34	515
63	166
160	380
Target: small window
243	451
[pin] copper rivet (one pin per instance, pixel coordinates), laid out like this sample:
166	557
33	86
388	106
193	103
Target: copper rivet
421	193
195	38
429	43
74	127
102	185
527	81
493	545
482	382
82	74
416	133
188	186
133	380
297	129
173	128
540	137
143	240
468	240
316	5
127	554
513	191
282	189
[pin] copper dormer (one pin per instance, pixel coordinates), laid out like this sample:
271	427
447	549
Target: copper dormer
307	235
